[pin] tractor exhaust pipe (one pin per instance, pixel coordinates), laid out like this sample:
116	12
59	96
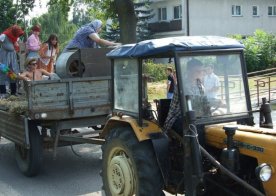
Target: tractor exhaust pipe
265	115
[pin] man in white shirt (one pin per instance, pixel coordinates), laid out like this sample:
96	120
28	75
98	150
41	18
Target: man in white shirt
211	82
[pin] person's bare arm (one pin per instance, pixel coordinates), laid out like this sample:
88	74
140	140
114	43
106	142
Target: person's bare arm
23	76
44	72
100	41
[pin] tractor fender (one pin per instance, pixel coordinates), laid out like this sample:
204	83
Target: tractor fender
149	131
160	143
142	133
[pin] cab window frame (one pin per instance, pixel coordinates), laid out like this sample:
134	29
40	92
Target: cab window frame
220	119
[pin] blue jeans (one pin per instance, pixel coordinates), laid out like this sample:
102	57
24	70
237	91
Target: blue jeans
169	95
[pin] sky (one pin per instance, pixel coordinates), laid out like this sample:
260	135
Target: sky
39	9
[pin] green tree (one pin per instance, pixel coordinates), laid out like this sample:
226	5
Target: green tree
124	9
7	13
260	50
23	7
112	31
81	14
54	22
14	13
143	14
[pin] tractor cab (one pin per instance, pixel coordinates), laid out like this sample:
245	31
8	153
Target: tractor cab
222	98
152	145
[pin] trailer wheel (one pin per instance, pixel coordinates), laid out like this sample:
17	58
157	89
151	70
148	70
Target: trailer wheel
129	166
29	160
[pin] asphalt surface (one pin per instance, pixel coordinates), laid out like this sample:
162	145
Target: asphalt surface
67	175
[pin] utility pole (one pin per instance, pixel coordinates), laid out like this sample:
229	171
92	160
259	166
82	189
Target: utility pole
188	17
185	18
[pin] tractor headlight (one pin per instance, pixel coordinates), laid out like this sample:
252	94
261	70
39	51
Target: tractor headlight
264	172
44	115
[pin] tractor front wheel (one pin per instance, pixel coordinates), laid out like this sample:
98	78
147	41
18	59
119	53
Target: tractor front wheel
129	166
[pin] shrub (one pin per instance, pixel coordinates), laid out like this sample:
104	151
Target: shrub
260	50
155	70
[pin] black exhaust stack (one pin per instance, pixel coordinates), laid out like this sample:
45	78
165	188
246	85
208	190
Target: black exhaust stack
265	115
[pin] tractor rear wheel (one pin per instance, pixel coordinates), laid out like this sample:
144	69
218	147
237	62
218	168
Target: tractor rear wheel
129	166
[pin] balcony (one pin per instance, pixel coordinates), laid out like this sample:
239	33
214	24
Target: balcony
165	26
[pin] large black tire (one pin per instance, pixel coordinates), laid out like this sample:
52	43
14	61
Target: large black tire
29	160
129	166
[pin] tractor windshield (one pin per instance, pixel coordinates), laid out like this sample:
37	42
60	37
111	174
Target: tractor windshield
214	84
126	85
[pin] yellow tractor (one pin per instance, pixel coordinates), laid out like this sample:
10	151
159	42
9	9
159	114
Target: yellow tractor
197	143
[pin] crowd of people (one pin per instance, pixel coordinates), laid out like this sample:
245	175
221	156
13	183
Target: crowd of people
40	56
43	54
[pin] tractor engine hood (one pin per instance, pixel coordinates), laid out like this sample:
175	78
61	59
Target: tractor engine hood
259	143
247	138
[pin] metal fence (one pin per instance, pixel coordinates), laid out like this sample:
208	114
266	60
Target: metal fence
262	84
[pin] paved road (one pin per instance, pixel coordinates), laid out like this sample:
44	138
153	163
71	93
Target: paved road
67	175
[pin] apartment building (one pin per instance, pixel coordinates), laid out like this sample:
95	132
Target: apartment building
212	17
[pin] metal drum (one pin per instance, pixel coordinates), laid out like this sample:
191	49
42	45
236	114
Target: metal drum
87	62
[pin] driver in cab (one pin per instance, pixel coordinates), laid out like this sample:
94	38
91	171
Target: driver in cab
193	86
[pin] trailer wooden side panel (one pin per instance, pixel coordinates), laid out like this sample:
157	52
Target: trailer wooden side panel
69	98
12	127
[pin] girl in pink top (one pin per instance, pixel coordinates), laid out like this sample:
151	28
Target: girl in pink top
33	43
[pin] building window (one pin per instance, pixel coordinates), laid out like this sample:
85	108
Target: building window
236	10
162	14
255	10
272	10
177	12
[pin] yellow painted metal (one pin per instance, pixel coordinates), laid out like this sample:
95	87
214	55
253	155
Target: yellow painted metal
120	173
252	142
142	133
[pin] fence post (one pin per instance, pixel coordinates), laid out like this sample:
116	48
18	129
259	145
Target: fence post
258	93
269	89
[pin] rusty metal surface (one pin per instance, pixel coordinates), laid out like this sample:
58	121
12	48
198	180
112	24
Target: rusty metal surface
12	128
69	98
95	61
86	62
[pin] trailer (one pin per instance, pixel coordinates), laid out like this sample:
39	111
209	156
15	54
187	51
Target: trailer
81	98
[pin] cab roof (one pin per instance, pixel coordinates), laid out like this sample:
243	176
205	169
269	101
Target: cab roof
168	45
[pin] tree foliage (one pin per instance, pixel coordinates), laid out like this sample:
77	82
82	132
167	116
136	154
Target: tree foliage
155	70
143	13
260	50
81	12
23	7
54	22
13	12
7	13
123	9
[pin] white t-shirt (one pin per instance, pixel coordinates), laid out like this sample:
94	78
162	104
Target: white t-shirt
211	81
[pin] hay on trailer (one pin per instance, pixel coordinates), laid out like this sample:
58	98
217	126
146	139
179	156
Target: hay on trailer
16	105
